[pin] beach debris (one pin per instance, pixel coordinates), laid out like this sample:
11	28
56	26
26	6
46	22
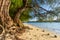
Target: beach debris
46	34
43	30
26	27
55	36
37	29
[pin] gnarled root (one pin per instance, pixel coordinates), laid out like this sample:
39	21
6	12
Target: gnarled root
2	31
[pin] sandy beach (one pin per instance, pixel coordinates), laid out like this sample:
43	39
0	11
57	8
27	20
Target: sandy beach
35	33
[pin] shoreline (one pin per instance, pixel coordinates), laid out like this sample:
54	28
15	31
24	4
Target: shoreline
36	33
26	24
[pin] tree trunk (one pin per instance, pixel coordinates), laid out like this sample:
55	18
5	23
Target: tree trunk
18	13
5	19
6	22
4	11
17	20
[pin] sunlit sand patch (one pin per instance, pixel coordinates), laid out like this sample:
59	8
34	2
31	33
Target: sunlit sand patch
38	34
34	33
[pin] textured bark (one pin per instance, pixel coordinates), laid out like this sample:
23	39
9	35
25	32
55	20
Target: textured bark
18	13
5	19
4	13
7	22
17	20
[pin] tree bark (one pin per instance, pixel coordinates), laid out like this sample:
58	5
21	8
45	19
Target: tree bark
17	16
18	13
4	13
6	21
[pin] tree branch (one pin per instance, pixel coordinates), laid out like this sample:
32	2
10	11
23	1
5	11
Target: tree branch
19	11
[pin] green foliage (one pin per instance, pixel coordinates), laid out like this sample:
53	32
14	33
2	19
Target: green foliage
25	15
14	5
29	1
17	4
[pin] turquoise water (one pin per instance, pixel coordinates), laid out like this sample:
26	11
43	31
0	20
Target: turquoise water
52	26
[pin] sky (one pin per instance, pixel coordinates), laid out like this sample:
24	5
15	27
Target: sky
35	18
47	7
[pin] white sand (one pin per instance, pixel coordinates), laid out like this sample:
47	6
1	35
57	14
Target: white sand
38	34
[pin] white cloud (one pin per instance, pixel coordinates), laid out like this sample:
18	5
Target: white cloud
34	19
55	18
